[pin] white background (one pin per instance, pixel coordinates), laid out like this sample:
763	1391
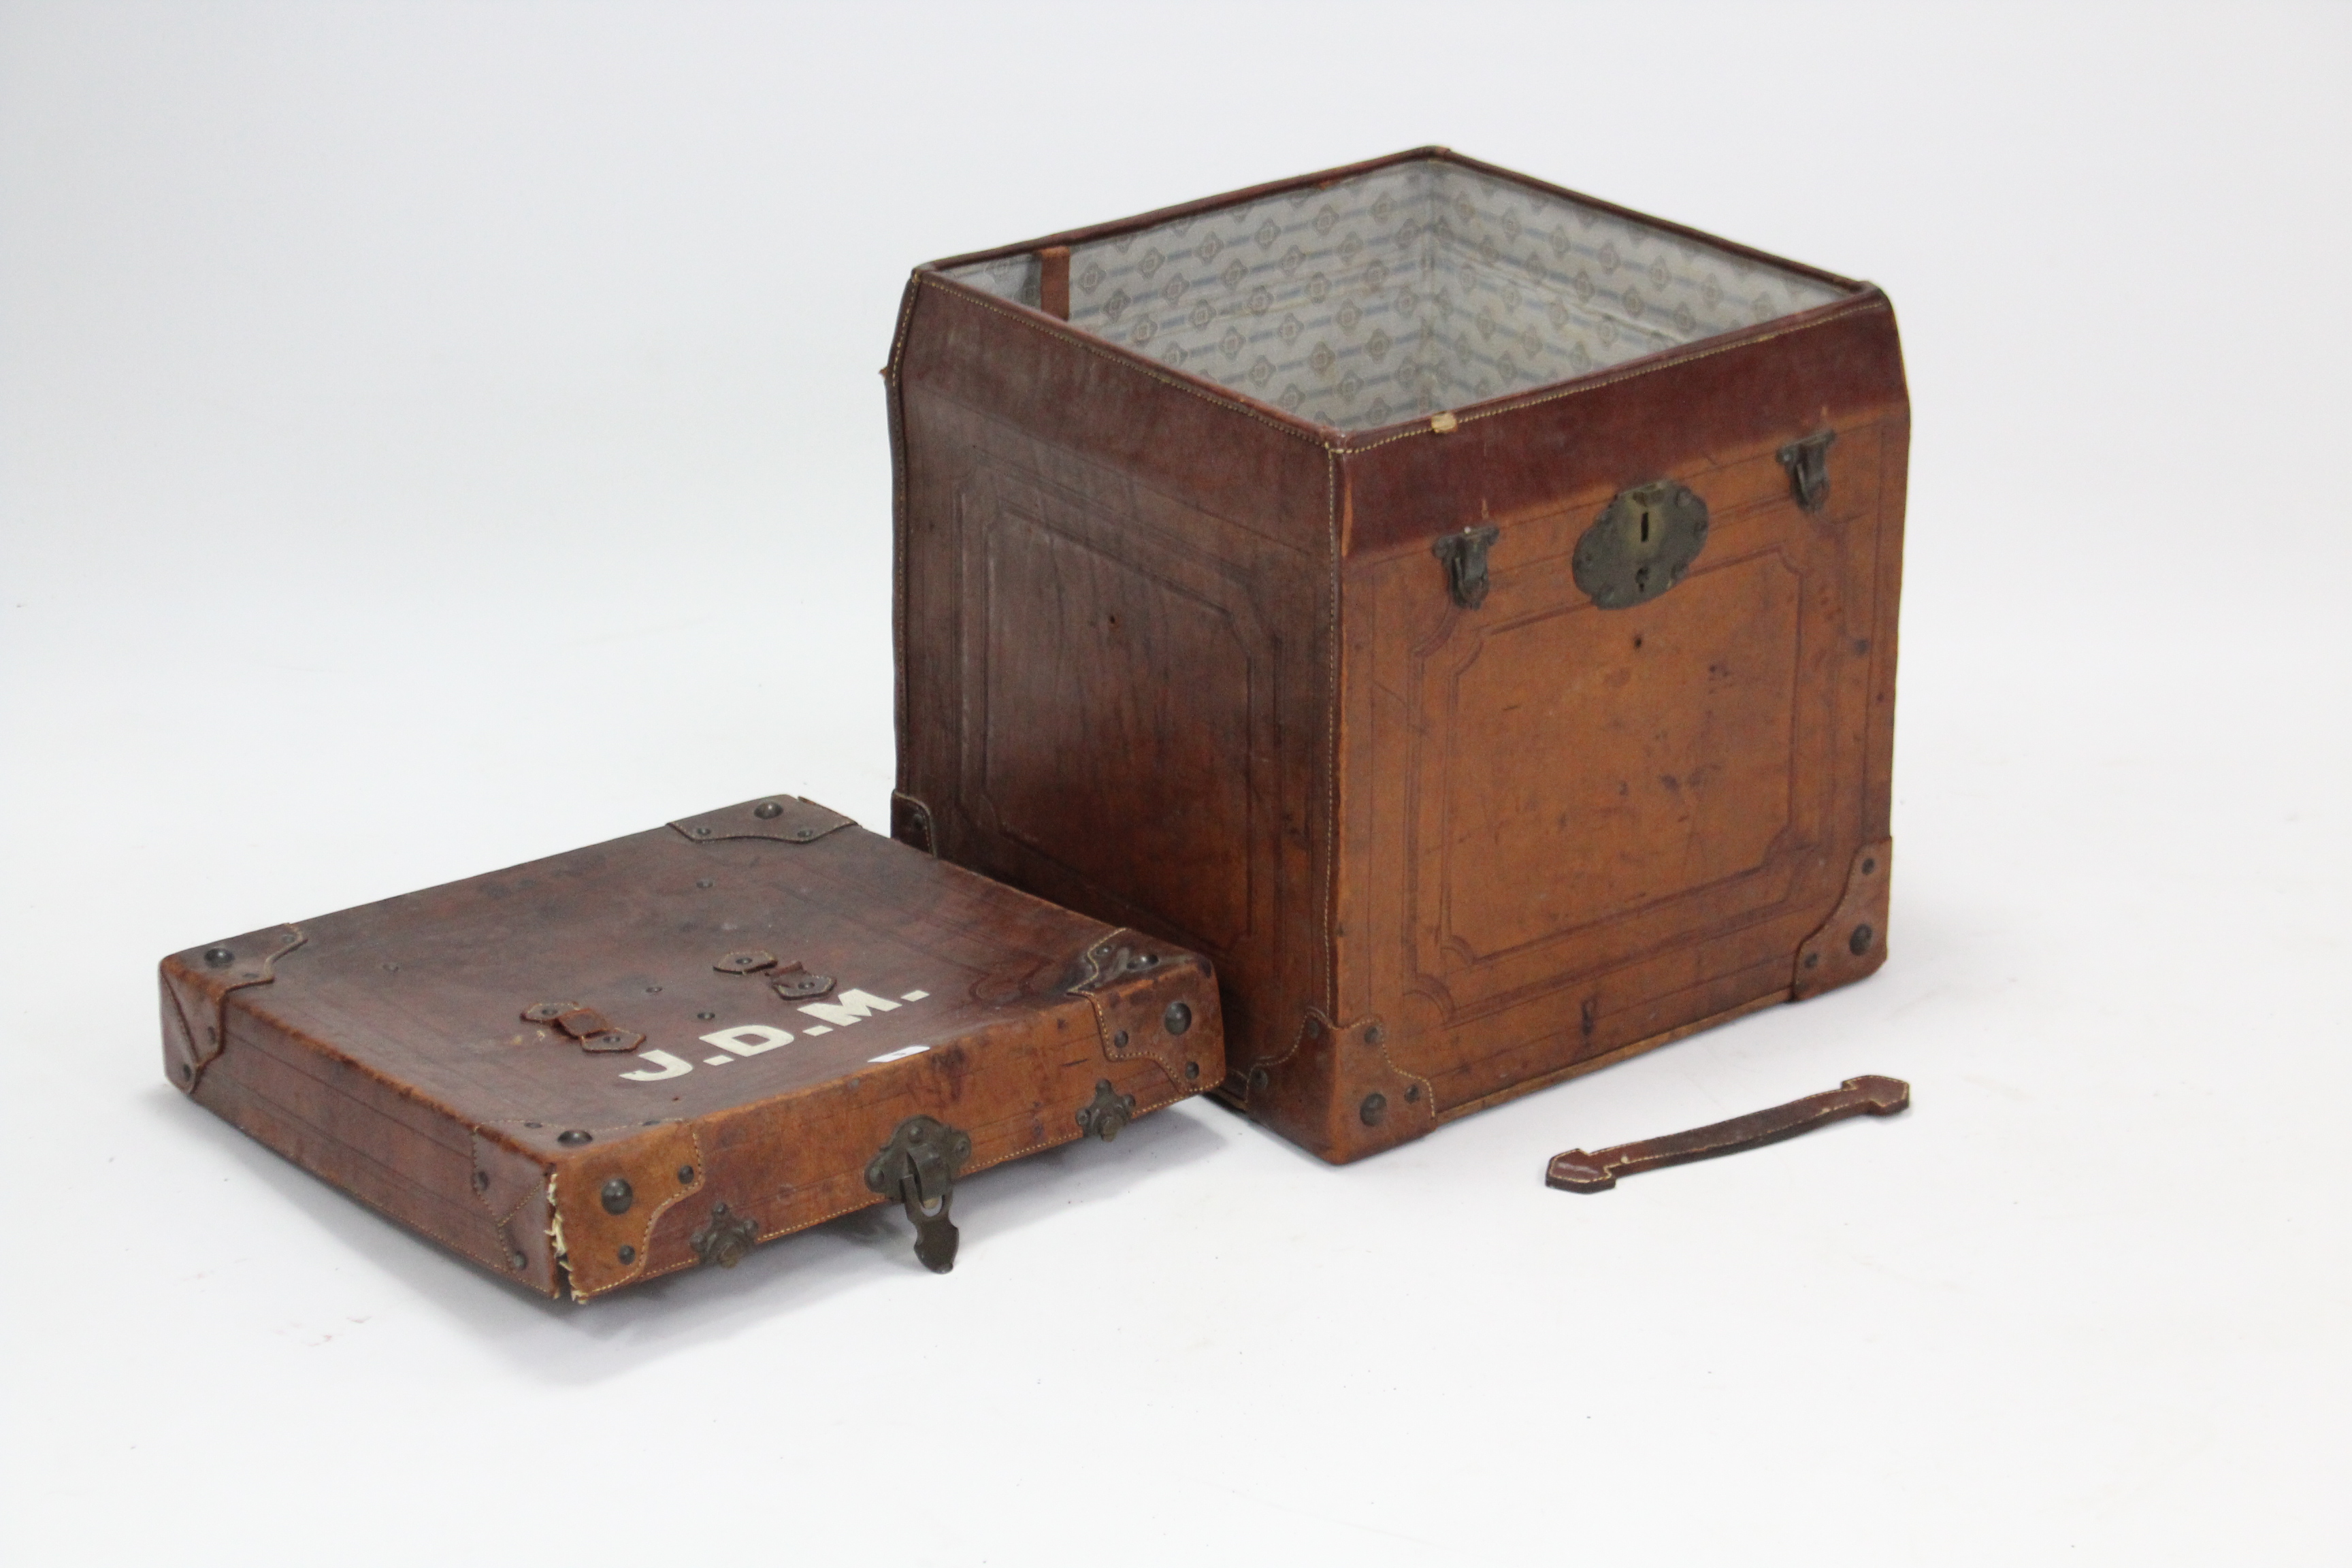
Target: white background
441	436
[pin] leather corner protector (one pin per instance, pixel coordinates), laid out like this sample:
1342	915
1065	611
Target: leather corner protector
911	823
196	984
608	1197
1852	944
1339	1091
1154	1003
785	818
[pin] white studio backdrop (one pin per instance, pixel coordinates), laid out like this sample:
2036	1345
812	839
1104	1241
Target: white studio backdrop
436	436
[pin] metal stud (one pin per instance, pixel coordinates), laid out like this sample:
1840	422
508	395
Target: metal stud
628	1253
1259	1079
1859	942
1177	1018
575	1136
1375	1106
1375	1035
767	811
617	1195
1192	1070
516	1259
219	957
686	1175
1119	1039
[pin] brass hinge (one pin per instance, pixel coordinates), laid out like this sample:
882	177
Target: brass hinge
1465	554
1808	462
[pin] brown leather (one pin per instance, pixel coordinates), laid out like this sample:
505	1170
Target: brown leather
1182	660
1053	280
387	1048
1575	1171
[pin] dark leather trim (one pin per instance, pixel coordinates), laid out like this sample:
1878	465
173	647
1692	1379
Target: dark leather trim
1154	219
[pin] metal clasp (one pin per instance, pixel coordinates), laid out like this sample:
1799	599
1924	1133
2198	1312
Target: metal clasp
1465	554
919	1168
1808	462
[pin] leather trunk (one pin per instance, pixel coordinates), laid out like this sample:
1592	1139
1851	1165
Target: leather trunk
609	1064
1463	609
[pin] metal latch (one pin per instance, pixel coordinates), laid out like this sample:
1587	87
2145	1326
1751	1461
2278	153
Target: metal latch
1465	554
1641	545
1808	462
919	1168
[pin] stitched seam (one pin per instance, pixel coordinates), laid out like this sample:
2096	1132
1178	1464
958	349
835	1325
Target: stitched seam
1696	355
1102	1037
901	500
1105	351
1331	738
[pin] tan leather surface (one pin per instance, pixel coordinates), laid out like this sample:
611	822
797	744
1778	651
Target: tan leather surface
1187	663
389	1054
1852	944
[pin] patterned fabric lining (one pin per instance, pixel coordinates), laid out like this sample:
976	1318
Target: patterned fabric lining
1405	290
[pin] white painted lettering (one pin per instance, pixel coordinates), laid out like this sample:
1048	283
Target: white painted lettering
850	1007
748	1040
668	1065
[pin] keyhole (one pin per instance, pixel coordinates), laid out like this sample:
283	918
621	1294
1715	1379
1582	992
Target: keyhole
1645	525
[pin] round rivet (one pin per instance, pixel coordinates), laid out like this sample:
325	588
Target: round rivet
706	1018
187	1073
1177	1018
1119	1039
804	832
1859	942
628	1253
686	1175
516	1260
767	811
1258	1079
915	1133
1375	1035
702	833
702	881
1147	958
1869	865
1375	1106
1413	1094
1813	960
575	1136
1192	1070
219	957
534	1124
617	1195
481	1181
717	1209
391	968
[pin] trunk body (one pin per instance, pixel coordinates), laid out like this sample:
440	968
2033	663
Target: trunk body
1256	591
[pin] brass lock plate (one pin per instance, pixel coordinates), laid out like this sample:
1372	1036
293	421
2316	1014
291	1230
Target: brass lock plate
1642	544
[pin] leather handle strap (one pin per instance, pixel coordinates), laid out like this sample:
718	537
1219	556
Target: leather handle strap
1054	281
1579	1171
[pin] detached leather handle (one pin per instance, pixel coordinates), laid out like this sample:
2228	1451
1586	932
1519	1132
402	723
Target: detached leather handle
1577	1172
